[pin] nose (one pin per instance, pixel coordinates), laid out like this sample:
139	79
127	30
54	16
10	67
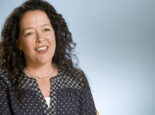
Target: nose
39	37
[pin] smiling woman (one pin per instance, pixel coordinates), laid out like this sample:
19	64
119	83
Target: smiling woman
37	75
36	39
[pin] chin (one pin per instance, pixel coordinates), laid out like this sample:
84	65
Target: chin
43	60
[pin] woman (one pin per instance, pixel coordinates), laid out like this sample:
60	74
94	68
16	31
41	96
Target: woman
37	75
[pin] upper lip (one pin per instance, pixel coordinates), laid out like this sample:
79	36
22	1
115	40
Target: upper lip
41	47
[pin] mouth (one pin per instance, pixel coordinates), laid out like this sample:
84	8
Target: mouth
42	49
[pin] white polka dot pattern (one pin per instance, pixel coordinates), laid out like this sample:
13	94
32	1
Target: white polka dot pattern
67	96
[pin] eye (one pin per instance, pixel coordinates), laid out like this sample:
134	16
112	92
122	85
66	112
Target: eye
29	34
47	29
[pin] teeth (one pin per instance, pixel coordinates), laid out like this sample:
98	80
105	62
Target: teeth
42	48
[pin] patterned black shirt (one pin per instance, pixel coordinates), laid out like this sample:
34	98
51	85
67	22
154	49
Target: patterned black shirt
67	97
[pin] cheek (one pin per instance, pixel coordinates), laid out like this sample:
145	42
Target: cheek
51	40
54	43
28	46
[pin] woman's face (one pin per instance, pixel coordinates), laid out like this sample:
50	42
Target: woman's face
37	38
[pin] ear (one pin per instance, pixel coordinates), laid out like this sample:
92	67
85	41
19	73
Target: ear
18	45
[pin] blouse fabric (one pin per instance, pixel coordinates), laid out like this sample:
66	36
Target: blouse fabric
67	96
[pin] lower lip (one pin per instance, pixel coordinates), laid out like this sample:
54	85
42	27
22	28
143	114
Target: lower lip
42	51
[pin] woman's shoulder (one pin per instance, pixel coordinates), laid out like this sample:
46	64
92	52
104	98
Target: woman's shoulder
76	76
4	81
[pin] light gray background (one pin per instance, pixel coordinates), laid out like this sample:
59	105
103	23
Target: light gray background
116	47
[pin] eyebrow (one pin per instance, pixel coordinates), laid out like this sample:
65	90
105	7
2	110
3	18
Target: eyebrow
41	26
47	25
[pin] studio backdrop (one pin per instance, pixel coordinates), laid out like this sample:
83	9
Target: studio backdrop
116	49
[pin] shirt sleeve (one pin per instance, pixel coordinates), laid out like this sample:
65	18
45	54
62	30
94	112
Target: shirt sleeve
88	105
4	106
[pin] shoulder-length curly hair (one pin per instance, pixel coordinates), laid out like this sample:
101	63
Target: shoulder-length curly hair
11	58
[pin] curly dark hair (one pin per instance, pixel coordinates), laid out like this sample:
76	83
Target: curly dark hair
11	58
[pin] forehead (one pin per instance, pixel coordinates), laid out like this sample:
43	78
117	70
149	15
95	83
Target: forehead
34	18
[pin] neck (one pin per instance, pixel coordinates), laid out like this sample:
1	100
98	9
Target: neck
44	69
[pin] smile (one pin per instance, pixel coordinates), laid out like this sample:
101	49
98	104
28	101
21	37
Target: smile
42	48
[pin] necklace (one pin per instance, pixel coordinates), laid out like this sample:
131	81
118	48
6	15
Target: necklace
27	71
